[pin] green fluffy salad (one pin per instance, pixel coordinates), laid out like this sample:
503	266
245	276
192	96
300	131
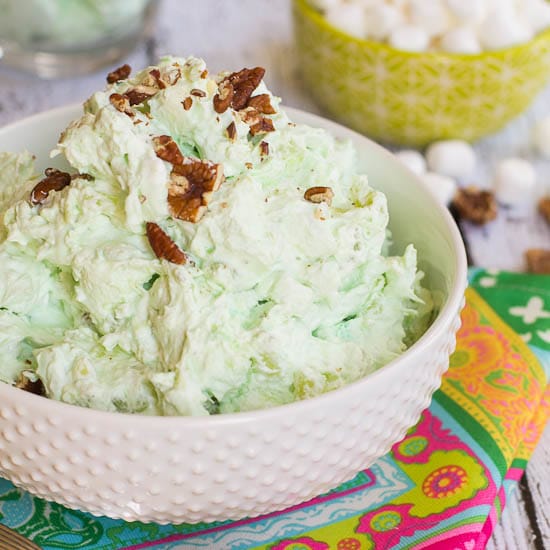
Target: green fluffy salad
204	254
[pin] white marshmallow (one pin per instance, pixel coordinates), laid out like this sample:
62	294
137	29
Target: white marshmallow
460	40
409	38
399	4
430	15
541	137
503	28
454	26
537	14
413	160
442	187
326	4
381	20
350	18
367	3
454	158
468	11
514	181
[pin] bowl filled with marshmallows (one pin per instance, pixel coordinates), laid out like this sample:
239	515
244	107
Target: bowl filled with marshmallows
413	71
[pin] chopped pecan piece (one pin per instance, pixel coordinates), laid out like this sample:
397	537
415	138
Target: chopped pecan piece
264	148
544	208
121	103
198	93
172	76
244	83
319	194
55	180
538	261
138	94
26	384
231	131
222	100
475	205
249	116
191	187
167	149
187	103
79	176
122	73
262	103
263	126
157	79
163	246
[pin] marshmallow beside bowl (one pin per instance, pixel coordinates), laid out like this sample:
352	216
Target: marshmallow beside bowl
414	98
197	469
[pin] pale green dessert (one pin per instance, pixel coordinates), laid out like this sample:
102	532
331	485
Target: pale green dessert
51	24
280	291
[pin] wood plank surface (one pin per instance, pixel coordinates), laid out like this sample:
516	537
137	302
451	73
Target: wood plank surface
230	35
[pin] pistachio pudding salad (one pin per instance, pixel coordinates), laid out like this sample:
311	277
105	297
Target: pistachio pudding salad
203	254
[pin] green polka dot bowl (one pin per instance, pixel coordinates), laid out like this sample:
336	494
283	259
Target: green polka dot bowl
411	98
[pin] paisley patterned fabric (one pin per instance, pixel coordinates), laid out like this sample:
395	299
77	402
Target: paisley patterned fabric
442	487
411	98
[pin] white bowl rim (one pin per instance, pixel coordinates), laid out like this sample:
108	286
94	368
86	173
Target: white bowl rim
445	317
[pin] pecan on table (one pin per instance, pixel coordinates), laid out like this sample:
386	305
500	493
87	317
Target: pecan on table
475	205
544	208
538	261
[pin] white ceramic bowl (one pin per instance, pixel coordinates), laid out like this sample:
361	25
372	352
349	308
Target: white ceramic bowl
182	469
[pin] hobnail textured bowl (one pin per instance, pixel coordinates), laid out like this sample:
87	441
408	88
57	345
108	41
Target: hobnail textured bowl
415	98
183	469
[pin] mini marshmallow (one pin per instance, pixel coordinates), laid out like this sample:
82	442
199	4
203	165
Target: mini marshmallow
460	40
413	160
514	181
326	4
454	26
381	20
430	15
537	14
541	137
502	29
367	3
409	38
468	11
442	187
454	158
399	4
348	17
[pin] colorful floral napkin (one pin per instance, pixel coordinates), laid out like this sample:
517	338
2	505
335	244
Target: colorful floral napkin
443	487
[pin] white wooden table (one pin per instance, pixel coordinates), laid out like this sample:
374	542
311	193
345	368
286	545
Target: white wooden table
234	34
